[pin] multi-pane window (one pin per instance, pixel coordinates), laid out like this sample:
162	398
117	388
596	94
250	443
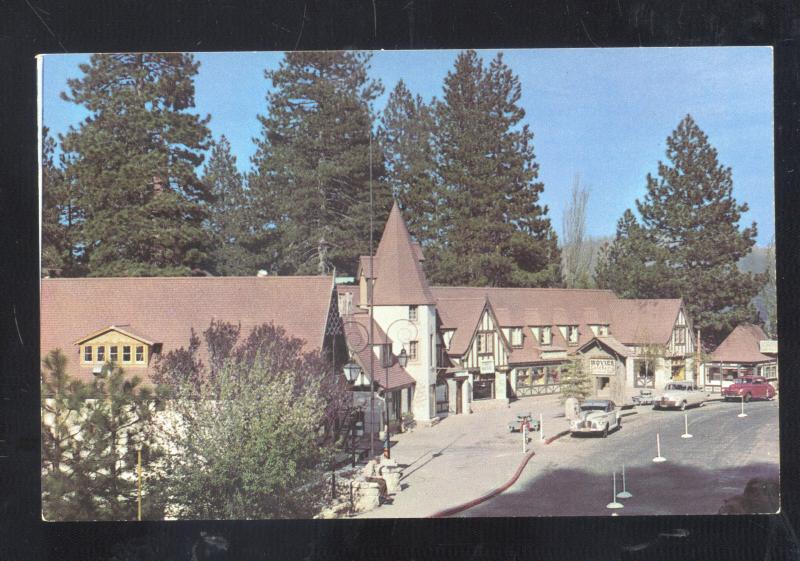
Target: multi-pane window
572	334
545	335
385	353
679	335
101	354
412	350
485	342
140	353
87	353
112	353
412	313
516	336
126	353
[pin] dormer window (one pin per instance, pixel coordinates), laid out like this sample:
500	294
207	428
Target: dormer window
545	335
572	334
603	330
516	337
109	343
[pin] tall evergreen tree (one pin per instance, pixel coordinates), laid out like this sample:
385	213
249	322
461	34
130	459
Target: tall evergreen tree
230	221
313	167
769	294
406	133
132	163
690	220
90	437
59	215
495	232
632	265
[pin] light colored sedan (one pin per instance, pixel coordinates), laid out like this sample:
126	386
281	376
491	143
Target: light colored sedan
680	395
596	416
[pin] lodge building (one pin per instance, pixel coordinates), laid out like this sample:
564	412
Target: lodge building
462	346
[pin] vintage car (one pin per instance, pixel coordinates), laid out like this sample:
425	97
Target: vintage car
680	395
747	388
596	416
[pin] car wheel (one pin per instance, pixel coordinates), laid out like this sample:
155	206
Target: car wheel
605	431
619	423
683	406
747	398
702	404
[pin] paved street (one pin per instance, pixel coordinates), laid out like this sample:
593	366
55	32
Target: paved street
573	477
466	456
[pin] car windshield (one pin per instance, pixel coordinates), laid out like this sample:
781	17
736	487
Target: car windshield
743	381
593	407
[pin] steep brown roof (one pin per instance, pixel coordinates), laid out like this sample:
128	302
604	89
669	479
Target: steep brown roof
630	321
356	328
399	276
164	309
642	321
742	346
611	343
461	314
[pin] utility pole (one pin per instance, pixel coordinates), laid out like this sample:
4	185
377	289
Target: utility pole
370	282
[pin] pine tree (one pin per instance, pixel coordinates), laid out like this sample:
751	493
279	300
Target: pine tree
90	436
230	219
494	230
632	265
575	381
132	163
689	241
59	219
407	138
311	183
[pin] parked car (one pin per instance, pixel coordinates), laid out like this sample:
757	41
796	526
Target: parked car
747	388
680	395
645	397
596	416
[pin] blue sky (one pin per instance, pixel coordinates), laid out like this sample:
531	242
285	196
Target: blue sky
601	113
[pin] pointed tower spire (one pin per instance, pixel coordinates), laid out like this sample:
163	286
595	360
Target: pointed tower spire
400	279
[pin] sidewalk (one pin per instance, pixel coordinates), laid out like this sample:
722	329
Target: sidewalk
464	456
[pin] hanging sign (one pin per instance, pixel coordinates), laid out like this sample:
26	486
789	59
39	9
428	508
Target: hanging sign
487	366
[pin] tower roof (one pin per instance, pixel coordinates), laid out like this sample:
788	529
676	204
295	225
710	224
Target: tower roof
399	276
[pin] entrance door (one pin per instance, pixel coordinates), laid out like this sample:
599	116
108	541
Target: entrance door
603	386
459	405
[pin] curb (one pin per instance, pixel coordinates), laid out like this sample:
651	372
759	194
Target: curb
556	436
493	493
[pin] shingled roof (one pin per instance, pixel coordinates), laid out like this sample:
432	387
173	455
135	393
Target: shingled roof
356	328
165	309
400	279
742	346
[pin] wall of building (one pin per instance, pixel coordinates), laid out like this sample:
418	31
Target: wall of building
395	323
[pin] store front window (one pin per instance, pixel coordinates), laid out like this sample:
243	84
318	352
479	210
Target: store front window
644	375
483	386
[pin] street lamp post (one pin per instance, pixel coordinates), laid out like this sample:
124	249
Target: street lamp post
402	360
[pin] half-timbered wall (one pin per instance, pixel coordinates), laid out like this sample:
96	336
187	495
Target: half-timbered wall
499	354
681	343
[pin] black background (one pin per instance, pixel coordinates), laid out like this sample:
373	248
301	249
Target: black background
30	27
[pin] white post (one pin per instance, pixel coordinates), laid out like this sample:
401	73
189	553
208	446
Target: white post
524	432
686	426
541	427
742	414
659	458
624	494
614	503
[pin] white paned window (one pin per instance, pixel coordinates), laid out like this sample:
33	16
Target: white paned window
412	313
101	354
516	336
546	335
87	353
